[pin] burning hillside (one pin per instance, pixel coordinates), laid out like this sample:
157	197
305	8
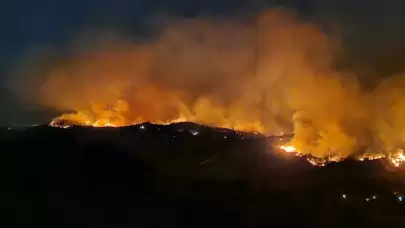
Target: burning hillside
395	158
274	75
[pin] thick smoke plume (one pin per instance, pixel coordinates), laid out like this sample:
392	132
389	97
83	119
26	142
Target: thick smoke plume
274	75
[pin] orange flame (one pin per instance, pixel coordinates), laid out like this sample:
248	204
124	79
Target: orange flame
396	158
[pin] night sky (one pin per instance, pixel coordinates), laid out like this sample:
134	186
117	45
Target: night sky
373	30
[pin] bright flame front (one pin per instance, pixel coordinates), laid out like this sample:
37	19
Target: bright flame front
396	158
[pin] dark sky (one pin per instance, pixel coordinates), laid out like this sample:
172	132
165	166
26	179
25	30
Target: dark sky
373	29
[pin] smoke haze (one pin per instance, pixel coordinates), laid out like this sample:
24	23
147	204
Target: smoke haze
274	74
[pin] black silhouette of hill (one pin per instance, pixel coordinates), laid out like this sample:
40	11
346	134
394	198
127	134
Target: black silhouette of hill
184	175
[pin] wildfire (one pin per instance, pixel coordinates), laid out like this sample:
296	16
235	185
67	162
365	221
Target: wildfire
317	161
288	149
201	70
67	120
396	158
202	112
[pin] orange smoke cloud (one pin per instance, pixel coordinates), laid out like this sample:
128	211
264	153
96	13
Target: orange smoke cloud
274	75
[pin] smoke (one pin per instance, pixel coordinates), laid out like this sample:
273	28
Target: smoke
274	74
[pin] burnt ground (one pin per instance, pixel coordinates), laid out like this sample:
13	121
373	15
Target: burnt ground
184	175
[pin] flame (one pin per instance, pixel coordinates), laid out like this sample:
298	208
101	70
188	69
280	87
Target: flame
396	158
317	161
370	157
202	112
288	149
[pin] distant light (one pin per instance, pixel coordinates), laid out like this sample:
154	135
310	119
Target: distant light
400	198
344	196
142	127
374	197
225	137
206	161
367	199
194	132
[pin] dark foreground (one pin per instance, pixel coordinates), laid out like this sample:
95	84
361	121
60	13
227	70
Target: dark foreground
184	176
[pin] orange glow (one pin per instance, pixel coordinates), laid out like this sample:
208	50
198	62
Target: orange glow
397	158
203	113
288	149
